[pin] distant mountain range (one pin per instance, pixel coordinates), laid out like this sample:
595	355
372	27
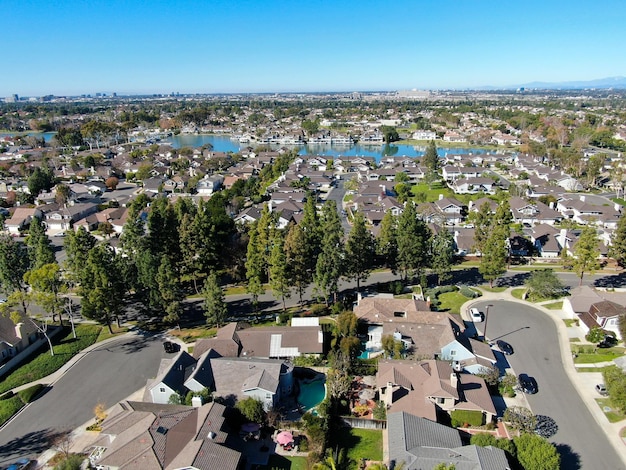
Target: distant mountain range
610	82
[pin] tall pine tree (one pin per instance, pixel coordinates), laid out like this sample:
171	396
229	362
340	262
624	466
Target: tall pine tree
329	265
360	249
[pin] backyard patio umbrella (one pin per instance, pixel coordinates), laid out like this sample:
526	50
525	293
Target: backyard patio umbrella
284	438
250	427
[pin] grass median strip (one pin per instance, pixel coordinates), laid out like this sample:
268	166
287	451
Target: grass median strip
42	364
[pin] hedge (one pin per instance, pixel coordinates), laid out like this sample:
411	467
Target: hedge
28	394
9	407
463	417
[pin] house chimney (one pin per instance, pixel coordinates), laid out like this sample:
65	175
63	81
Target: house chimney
440	197
617	207
454	380
196	402
582	198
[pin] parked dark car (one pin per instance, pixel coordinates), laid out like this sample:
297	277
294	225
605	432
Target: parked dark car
505	347
528	384
170	347
607	342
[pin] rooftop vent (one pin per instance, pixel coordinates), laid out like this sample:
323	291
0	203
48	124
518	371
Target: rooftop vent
162	430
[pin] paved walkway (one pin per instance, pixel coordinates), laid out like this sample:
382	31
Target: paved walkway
583	382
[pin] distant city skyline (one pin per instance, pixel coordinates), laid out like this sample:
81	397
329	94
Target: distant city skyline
146	47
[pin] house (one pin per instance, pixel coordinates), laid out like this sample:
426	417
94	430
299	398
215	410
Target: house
424	333
275	342
545	239
596	308
424	135
423	444
20	219
171	378
209	184
424	388
138	436
473	186
15	338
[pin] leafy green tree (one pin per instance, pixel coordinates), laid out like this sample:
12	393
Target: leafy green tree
346	324
215	308
77	245
169	289
251	409
42	179
390	134
298	261
312	231
279	271
387	242
586	253
595	335
254	266
431	158
39	247
413	237
47	286
102	288
328	268
495	250
618	243
544	284
350	346
482	224
520	418
536	453
359	251
443	255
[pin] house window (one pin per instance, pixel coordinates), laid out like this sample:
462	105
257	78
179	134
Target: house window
453	352
441	401
399	314
268	396
612	322
162	389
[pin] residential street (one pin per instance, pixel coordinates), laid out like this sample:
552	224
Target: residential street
108	374
534	337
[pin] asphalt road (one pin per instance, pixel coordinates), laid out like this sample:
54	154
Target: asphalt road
533	335
106	375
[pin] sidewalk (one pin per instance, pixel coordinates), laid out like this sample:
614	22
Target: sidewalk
583	382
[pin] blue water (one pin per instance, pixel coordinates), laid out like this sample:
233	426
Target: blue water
226	144
311	394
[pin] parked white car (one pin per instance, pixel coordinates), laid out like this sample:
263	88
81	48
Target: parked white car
476	315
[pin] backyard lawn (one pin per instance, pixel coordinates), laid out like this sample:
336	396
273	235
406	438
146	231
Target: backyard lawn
279	462
362	443
452	301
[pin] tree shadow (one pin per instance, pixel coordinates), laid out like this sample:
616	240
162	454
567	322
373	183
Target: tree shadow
569	458
30	444
617	280
513	281
469	276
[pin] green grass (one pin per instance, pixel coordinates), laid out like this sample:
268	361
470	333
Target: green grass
362	443
42	364
518	293
591	355
280	462
554	305
570	322
621	202
451	301
589	369
493	289
8	407
615	415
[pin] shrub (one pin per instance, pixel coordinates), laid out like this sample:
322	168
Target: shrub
9	407
73	462
318	310
28	394
471	417
469	293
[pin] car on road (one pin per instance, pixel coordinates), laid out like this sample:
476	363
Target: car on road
170	347
22	464
504	347
528	384
601	389
476	315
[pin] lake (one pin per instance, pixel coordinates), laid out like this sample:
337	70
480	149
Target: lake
226	144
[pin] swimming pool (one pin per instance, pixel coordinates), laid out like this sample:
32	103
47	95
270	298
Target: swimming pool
312	393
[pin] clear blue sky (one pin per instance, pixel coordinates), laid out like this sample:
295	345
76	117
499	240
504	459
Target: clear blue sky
161	46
